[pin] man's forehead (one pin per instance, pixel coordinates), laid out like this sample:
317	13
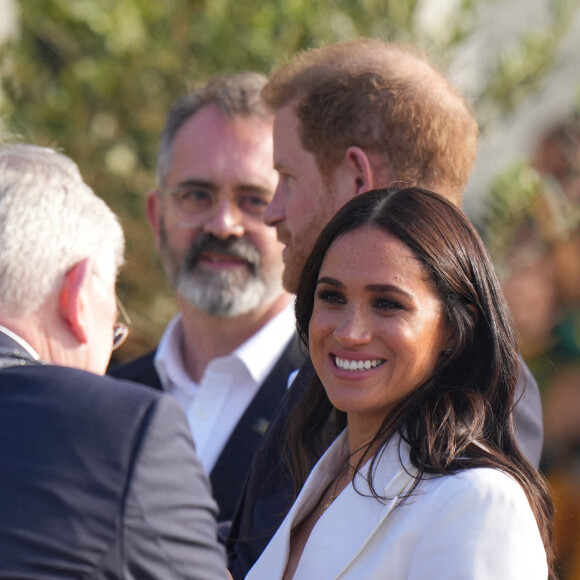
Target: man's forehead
216	152
286	114
287	142
210	117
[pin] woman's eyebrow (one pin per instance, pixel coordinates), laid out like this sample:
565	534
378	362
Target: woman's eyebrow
331	281
369	287
387	288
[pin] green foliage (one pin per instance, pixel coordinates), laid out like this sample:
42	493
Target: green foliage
512	195
95	78
520	71
521	68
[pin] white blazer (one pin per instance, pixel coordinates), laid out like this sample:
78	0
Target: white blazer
476	525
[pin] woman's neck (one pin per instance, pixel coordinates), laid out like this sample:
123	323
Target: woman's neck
361	435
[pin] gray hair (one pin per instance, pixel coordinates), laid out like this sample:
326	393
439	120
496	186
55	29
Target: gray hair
235	95
49	221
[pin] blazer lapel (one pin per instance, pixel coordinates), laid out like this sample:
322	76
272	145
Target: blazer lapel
272	562
347	525
351	520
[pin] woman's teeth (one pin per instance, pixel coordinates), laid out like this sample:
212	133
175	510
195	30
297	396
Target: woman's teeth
357	365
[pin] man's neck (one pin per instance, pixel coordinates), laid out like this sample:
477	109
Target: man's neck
206	337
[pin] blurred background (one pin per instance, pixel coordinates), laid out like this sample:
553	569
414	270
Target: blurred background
95	78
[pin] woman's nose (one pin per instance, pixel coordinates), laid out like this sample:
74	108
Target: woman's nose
353	329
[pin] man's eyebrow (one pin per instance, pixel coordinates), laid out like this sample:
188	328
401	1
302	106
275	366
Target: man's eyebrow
249	188
210	185
191	182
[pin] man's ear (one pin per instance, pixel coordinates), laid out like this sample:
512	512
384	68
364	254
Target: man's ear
358	164
70	299
154	212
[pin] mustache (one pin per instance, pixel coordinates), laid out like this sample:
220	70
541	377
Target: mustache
239	248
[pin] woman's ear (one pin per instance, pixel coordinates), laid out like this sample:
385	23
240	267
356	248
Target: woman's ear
447	351
474	311
71	300
451	339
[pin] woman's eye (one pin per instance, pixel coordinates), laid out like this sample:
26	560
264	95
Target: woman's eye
386	304
330	296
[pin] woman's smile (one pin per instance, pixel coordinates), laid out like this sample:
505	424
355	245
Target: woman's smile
377	330
357	364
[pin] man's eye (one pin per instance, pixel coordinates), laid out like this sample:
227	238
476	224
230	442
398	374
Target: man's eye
193	200
253	204
284	179
194	195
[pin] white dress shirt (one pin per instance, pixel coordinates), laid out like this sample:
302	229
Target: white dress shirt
215	405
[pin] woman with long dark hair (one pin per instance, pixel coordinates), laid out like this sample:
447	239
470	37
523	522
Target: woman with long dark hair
416	364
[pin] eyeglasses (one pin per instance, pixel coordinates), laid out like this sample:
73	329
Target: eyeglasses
193	200
121	329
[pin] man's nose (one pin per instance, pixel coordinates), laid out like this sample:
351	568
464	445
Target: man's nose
225	220
275	211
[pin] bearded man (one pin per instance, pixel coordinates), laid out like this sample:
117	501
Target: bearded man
227	355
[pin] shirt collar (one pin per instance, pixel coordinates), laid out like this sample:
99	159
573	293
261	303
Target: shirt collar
21	342
259	353
168	360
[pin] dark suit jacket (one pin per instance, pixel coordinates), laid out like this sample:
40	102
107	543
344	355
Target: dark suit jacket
228	475
98	479
268	491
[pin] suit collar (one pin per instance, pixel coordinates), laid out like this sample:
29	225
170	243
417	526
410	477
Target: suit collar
228	474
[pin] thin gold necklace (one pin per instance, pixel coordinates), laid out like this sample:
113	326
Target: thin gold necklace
334	495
